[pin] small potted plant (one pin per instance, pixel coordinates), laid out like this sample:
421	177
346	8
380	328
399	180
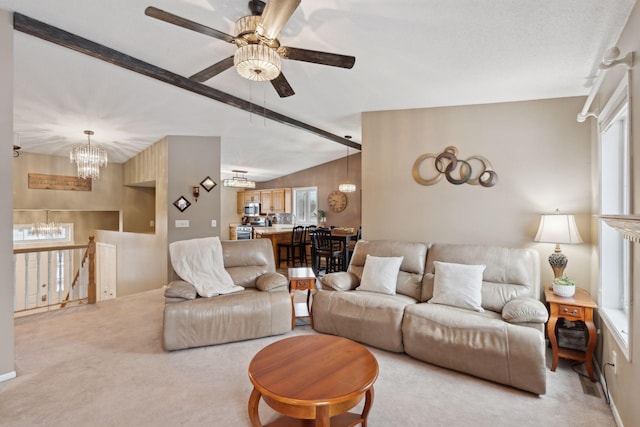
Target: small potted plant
321	215
563	286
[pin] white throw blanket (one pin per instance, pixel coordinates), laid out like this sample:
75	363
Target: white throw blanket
200	262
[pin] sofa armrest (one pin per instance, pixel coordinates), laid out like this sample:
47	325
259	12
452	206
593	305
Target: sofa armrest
179	290
340	281
525	310
271	281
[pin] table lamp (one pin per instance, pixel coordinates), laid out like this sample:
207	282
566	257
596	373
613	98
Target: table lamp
558	228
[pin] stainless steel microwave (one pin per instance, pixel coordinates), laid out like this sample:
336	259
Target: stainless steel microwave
252	209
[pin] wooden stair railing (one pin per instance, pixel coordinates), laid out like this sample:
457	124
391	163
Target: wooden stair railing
90	254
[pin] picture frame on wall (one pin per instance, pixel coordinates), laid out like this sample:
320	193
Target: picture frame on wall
182	204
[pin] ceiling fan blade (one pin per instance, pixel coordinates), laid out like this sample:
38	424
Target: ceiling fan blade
160	14
276	13
324	58
213	70
281	85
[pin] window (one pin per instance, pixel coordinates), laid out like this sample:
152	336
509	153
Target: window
305	203
615	252
23	237
41	277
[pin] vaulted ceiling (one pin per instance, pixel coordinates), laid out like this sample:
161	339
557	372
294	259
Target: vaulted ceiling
409	54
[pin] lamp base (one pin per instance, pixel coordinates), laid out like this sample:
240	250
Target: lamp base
558	262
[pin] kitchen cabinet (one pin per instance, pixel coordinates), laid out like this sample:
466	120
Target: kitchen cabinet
240	201
277	200
288	201
252	196
265	202
272	201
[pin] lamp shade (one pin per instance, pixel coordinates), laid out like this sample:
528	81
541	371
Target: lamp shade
558	228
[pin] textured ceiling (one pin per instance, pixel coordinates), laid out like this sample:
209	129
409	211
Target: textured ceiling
410	54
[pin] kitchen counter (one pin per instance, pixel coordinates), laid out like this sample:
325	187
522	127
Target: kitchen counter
264	231
276	235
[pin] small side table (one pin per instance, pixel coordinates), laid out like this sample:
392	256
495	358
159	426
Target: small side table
301	279
576	308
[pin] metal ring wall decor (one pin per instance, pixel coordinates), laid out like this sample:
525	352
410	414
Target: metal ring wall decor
447	163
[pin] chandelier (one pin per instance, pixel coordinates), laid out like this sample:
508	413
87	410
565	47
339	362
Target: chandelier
46	228
239	181
89	158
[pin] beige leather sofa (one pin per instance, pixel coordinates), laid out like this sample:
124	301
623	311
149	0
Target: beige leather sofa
262	309
503	343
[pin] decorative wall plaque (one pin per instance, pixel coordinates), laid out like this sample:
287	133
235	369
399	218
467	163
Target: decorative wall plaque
182	204
39	181
474	170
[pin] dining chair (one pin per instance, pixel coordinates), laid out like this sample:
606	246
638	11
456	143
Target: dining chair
324	249
307	243
354	240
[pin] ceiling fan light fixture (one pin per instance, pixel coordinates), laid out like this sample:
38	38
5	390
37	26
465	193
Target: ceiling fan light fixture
246	26
257	62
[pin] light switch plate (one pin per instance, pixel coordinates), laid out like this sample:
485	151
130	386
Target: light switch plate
214	223
182	223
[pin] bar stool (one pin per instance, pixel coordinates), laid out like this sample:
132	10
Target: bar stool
294	247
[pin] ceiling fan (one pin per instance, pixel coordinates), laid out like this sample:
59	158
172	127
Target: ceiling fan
259	51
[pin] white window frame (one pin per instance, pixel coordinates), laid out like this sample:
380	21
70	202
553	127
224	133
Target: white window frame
38	241
308	217
614	302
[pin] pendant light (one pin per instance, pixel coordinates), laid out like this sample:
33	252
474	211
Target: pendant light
347	187
239	180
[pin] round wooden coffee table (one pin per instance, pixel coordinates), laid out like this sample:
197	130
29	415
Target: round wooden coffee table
313	377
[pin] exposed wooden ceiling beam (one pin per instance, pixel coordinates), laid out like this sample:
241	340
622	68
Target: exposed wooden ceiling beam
71	41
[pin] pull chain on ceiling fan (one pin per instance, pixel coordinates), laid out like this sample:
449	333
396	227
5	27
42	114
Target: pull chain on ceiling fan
258	51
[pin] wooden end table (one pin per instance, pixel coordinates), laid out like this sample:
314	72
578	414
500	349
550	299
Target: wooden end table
576	308
301	279
313	377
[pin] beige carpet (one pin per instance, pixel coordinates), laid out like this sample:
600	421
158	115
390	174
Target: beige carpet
103	365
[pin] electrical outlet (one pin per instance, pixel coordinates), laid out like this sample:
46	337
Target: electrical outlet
614	357
214	223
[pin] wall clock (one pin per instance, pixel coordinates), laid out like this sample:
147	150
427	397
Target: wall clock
337	201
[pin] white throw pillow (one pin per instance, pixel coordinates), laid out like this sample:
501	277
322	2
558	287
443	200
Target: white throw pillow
458	285
380	274
200	262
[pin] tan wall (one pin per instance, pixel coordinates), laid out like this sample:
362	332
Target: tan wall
139	209
228	209
105	194
6	246
142	258
85	223
87	210
327	177
541	155
624	385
